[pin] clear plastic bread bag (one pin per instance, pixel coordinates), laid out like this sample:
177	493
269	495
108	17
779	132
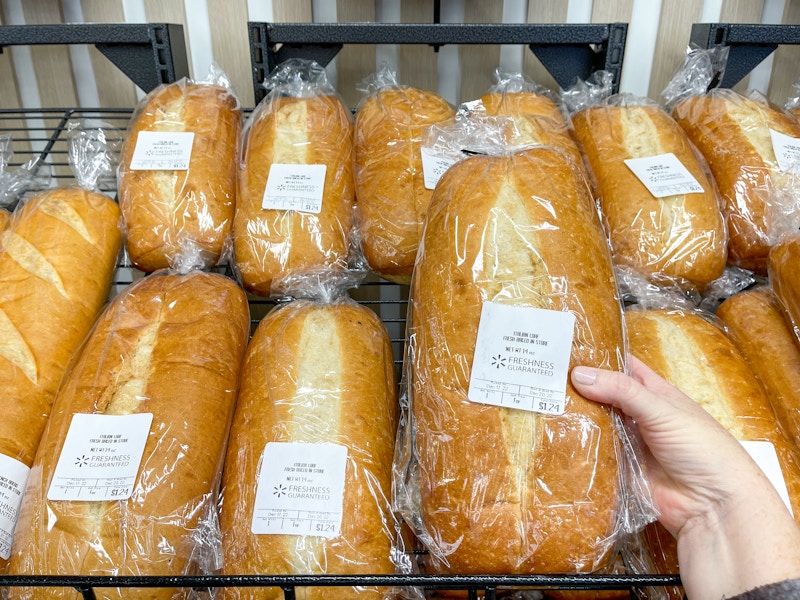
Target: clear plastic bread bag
501	467
750	146
177	172
58	256
296	190
389	170
793	102
127	475
307	483
658	200
692	350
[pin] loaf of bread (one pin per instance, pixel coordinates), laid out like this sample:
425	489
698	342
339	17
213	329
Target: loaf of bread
182	216
56	266
699	359
757	325
315	130
170	346
733	133
681	236
505	490
537	120
322	375
785	278
390	185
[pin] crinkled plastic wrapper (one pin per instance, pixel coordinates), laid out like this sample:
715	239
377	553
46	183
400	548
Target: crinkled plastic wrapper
654	551
301	122
170	346
691	350
170	213
319	374
492	489
682	236
390	183
536	116
733	133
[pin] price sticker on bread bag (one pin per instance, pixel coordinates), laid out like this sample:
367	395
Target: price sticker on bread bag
100	457
295	187
13	477
764	455
664	175
300	489
434	166
786	148
522	358
162	151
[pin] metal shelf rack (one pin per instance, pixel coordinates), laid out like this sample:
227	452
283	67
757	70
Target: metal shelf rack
148	53
566	51
749	44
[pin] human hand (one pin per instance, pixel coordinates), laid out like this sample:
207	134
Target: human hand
734	532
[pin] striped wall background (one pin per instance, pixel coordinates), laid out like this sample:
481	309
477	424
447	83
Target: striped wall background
49	76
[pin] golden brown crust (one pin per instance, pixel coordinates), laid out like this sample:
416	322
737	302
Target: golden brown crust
732	132
537	118
56	267
5	218
390	186
171	346
756	323
785	277
340	356
269	243
681	236
166	210
513	228
699	359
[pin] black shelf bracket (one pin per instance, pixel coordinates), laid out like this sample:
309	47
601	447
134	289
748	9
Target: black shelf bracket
748	44
148	53
566	51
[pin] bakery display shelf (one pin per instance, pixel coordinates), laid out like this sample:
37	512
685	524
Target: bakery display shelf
567	51
148	53
488	585
748	44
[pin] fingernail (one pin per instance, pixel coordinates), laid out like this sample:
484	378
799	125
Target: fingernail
584	375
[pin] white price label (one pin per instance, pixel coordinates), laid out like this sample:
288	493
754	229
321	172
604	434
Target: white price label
664	175
763	453
787	149
522	358
162	151
13	477
434	166
295	187
100	457
300	489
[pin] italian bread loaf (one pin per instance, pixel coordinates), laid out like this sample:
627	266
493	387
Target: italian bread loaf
785	278
733	133
178	215
537	120
390	184
56	266
681	236
757	325
700	360
171	346
504	490
268	243
318	374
